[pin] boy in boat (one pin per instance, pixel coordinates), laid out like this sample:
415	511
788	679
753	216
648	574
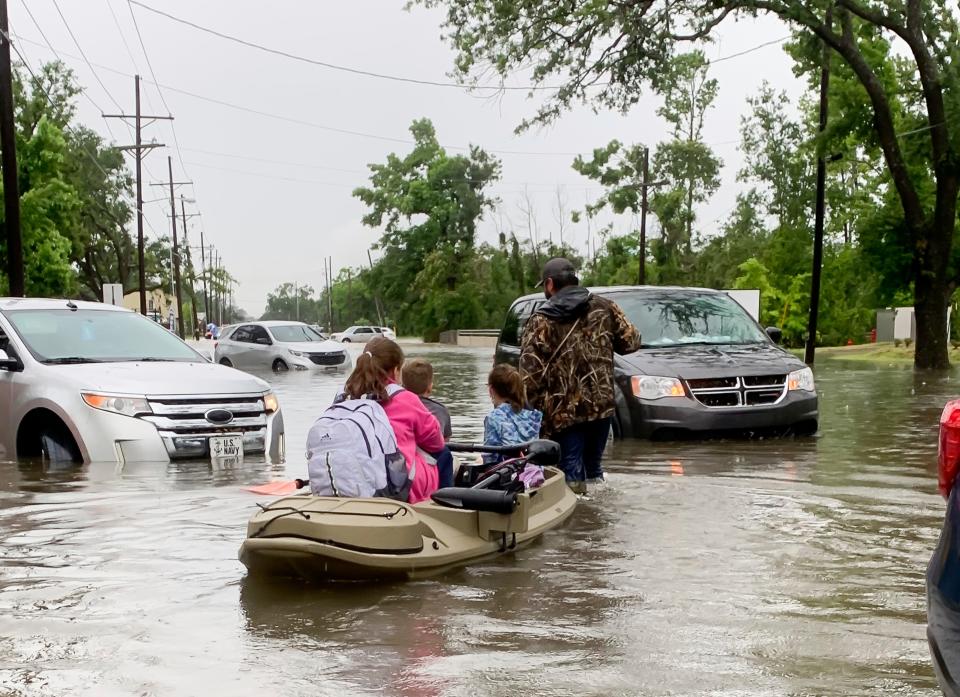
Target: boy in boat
417	375
417	431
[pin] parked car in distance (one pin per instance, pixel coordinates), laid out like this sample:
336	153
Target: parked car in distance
99	383
706	367
280	346
360	334
387	332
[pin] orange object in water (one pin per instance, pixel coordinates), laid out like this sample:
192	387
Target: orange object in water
276	488
676	468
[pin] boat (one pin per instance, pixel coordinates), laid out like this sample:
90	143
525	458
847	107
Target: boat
325	538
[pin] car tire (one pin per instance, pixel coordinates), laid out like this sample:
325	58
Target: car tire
280	366
56	445
345	341
226	362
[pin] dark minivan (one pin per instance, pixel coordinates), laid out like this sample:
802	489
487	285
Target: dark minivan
706	367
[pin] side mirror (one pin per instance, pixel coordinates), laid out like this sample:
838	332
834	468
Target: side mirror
543	452
775	334
7	363
264	340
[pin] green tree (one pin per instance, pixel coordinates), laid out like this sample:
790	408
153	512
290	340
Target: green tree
685	162
607	52
292	302
428	204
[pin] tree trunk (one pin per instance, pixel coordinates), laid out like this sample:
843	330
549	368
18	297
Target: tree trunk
931	298
933	284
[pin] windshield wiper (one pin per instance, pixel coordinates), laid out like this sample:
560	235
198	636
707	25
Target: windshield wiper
67	360
149	359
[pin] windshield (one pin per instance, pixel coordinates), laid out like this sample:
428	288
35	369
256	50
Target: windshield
94	336
674	318
292	333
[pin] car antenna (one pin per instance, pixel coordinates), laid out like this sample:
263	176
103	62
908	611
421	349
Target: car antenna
72	305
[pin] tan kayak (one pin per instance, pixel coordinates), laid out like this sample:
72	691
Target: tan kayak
327	538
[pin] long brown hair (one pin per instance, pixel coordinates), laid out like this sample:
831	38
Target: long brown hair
507	383
374	369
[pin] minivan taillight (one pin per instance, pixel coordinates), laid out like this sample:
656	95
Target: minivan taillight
949	454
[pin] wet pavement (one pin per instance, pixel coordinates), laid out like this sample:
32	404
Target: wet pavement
785	567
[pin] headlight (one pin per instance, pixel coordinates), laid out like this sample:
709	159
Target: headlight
801	380
128	406
270	403
298	354
653	387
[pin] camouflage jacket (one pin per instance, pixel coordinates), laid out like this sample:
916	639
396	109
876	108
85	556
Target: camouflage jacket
566	357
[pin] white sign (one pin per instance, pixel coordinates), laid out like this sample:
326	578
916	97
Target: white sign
748	299
113	293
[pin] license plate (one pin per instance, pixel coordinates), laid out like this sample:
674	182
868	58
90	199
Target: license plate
222	447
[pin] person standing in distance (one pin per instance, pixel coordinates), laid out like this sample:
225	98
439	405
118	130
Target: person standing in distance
566	358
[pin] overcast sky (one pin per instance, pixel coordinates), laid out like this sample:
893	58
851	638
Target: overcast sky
275	194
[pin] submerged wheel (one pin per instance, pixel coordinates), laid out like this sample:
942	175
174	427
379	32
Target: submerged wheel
226	362
280	366
345	341
56	445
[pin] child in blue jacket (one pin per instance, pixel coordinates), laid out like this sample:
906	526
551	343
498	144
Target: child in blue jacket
510	422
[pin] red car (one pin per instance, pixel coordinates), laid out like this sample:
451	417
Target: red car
943	572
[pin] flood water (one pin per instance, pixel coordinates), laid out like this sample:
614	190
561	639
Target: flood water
791	567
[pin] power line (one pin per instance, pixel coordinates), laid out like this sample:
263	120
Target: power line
83	90
331	66
749	50
156	83
86	60
271	176
90	155
334	129
386	76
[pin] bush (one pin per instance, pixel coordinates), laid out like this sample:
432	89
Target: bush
898	343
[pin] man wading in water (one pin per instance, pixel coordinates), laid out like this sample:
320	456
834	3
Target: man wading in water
566	358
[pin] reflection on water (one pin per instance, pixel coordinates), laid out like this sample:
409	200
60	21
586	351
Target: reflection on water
790	567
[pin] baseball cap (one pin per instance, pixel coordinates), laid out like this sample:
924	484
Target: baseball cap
557	267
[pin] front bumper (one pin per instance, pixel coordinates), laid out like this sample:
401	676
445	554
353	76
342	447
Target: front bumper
298	363
676	416
106	437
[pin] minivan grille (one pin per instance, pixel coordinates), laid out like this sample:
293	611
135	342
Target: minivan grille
732	392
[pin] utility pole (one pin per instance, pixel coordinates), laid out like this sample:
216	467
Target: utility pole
138	149
329	289
203	271
8	155
191	275
818	222
175	250
296	298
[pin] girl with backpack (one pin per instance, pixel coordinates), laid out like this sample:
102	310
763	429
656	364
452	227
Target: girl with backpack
377	374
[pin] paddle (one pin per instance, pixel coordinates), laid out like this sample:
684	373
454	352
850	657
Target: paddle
277	488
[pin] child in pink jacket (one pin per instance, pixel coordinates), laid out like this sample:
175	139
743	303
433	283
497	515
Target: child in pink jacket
415	428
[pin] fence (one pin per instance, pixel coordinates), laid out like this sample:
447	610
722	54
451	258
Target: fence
471	338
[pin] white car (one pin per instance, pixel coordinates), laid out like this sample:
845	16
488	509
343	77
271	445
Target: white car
279	346
362	334
99	383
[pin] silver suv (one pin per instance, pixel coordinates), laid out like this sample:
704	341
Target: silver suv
279	346
93	382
